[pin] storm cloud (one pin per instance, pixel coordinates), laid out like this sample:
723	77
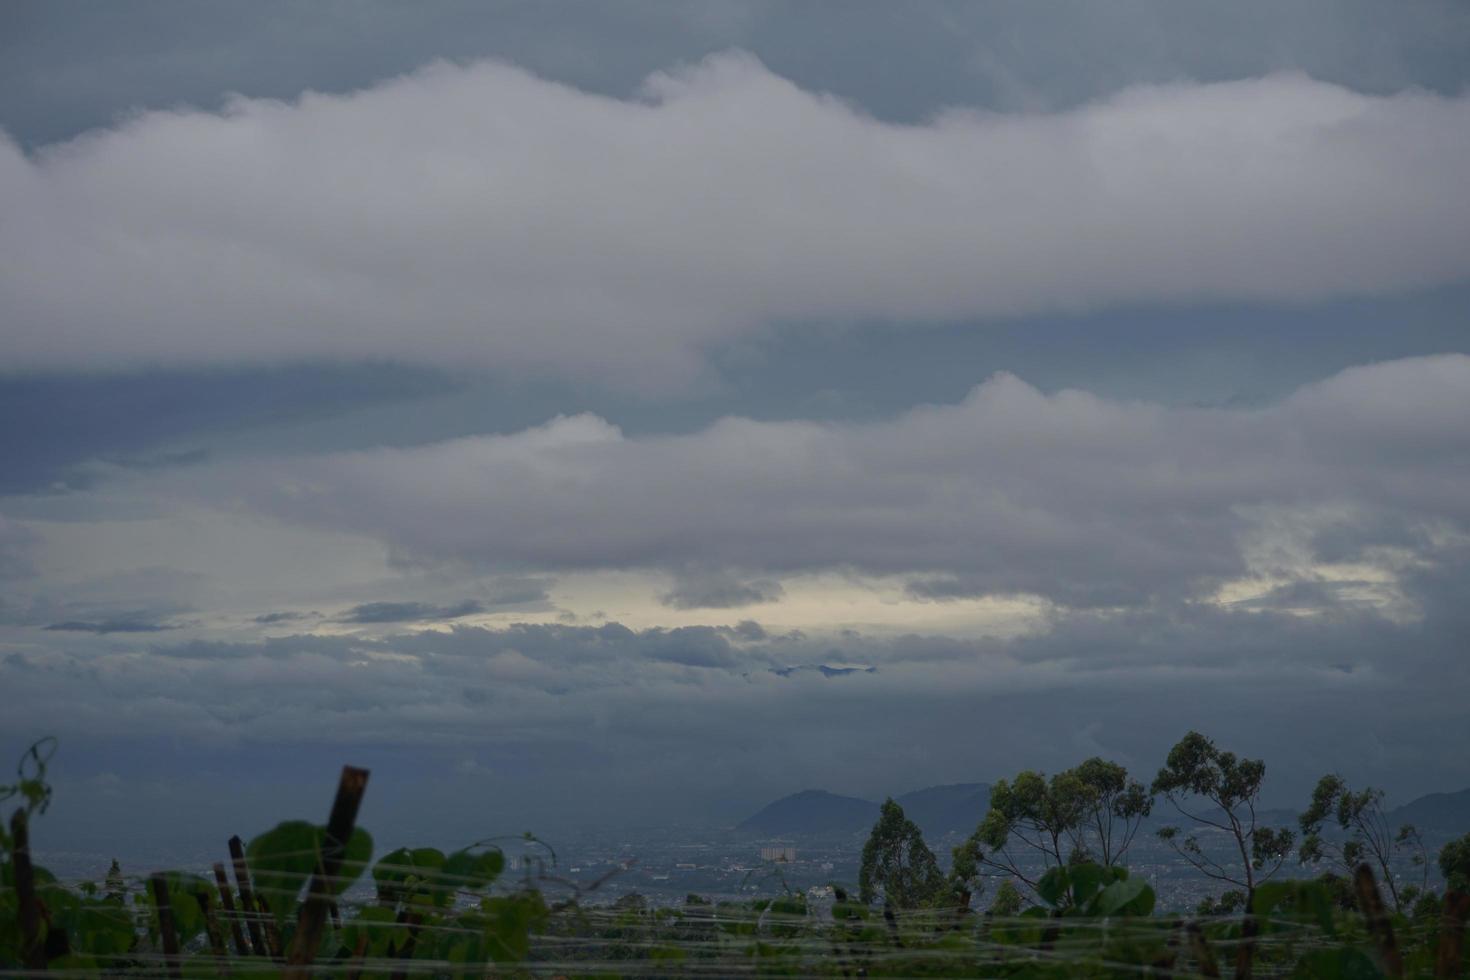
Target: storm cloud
701	406
455	217
1082	500
408	612
711	707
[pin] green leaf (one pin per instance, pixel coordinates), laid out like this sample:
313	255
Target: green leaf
188	916
1053	885
410	876
467	871
377	924
1086	881
1298	902
283	859
1130	896
101	928
508	924
1343	963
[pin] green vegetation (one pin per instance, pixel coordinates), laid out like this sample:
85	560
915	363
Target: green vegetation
1087	814
1366	835
304	899
898	865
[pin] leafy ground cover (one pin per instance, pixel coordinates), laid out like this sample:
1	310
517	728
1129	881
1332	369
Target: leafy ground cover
306	899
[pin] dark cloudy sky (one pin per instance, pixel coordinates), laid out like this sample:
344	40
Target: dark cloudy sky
503	396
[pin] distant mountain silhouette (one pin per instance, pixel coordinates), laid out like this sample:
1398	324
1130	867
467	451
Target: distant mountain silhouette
1443	812
814	811
957	808
938	810
941	810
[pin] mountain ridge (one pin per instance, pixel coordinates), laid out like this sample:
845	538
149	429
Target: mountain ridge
938	810
959	807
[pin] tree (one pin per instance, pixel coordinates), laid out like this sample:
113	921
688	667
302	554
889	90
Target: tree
1088	813
1038	813
1361	818
897	863
1196	768
117	887
1113	808
1454	864
1008	901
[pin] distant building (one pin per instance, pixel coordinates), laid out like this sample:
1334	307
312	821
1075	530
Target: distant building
783	854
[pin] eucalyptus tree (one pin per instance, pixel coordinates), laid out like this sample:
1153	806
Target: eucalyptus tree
1454	864
1198	770
1114	807
1091	812
1032	812
898	864
1365	834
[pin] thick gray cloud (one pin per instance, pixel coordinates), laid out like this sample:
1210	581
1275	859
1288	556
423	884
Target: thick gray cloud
135	622
451	217
686	721
273	618
17	543
67	65
409	612
755	304
498	594
1084	500
719	590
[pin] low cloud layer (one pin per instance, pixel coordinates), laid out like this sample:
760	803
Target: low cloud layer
410	612
719	590
1261	574
479	216
676	720
1082	500
139	622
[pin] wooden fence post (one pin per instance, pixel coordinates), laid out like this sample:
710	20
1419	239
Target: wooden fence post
212	930
227	902
28	910
1370	902
247	896
166	931
1204	956
1452	934
314	910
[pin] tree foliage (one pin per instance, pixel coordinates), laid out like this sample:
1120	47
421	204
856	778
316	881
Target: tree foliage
439	913
1090	813
1454	864
898	864
1113	807
1364	833
1197	771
